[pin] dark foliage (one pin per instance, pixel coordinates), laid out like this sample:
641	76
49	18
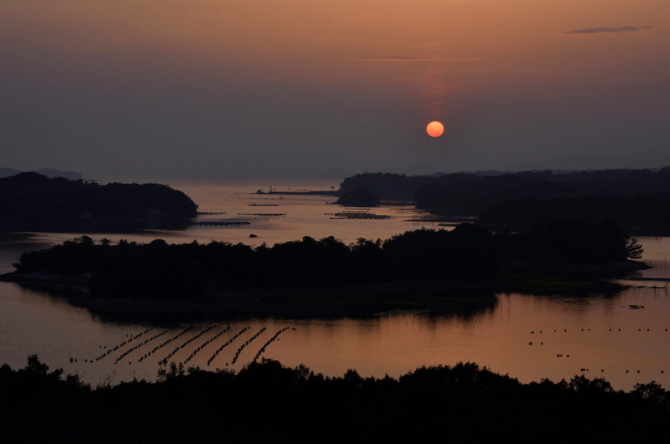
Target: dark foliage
469	197
189	269
32	202
566	242
636	200
267	402
389	186
469	252
641	214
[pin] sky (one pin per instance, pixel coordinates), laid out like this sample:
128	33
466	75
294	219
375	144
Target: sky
218	89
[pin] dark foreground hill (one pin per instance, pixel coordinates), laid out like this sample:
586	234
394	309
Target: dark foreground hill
32	202
267	402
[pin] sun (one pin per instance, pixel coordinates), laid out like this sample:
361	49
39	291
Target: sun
435	129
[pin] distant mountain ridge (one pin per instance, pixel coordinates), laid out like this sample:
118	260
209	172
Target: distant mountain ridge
49	172
582	162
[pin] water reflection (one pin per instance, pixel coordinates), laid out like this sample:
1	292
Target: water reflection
302	215
497	335
599	332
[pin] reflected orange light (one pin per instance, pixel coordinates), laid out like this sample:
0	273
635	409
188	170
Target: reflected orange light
435	129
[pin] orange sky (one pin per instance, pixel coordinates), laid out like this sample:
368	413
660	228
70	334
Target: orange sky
428	59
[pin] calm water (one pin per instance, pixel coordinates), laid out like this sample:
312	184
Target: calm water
498	336
273	218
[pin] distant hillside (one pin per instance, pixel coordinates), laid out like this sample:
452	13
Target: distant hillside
52	173
49	172
581	162
6	172
637	200
387	186
33	202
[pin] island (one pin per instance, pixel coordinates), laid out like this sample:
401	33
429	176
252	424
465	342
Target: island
637	200
426	269
33	202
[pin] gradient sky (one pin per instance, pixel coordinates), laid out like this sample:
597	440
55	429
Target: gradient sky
267	88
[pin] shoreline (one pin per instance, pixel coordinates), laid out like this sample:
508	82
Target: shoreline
358	300
301	302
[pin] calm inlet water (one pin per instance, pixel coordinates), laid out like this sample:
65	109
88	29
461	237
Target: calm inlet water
570	333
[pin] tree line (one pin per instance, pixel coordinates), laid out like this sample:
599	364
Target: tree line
466	253
33	202
267	402
636	200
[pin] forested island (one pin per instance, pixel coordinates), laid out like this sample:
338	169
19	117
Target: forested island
267	402
638	201
468	258
33	202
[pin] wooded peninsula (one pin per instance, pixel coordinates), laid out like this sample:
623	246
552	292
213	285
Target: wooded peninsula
33	202
468	260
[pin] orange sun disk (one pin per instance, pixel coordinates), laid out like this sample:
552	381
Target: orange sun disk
435	129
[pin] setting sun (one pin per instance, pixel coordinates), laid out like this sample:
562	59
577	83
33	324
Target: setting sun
435	129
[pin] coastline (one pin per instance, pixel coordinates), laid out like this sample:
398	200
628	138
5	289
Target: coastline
346	300
334	301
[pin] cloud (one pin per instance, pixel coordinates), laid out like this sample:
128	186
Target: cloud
417	59
607	30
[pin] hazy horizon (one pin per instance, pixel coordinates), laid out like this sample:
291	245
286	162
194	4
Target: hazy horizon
292	88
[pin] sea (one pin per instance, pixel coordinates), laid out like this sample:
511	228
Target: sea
622	337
